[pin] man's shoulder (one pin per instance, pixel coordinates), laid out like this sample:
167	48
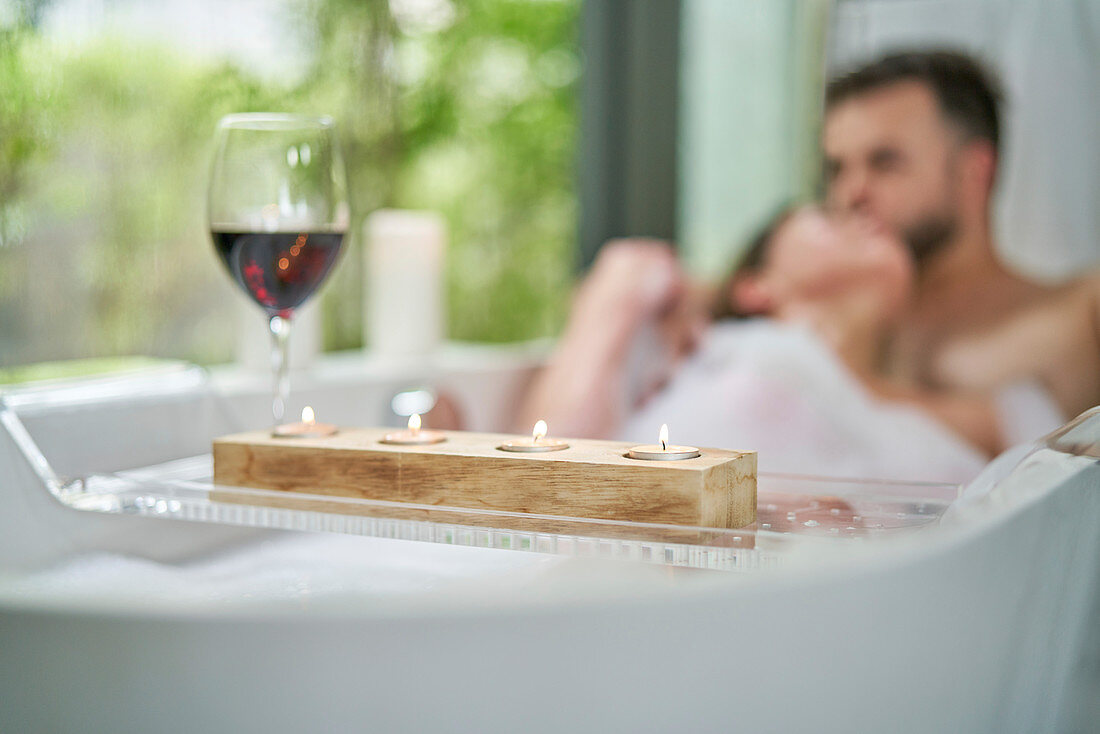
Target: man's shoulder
1089	280
1088	288
1085	286
1081	291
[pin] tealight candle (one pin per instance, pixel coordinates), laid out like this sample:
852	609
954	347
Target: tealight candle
414	436
663	452
308	427
537	442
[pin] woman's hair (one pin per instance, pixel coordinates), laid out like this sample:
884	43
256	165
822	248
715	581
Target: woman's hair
752	261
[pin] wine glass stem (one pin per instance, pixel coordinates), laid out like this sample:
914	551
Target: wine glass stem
280	335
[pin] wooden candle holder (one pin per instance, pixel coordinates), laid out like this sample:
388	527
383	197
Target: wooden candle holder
590	479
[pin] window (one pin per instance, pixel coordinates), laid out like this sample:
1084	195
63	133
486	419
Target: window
107	116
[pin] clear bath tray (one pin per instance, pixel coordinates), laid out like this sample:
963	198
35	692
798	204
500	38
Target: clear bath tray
793	511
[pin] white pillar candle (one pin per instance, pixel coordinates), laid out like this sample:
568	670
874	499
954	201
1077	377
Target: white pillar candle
253	347
404	281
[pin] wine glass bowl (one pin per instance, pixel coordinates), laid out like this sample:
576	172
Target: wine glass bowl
279	270
278	213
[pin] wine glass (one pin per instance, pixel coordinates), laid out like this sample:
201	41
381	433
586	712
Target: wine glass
278	213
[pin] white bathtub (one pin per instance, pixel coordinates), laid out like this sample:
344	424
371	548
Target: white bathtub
978	623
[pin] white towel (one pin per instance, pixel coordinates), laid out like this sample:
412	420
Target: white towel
779	390
1027	412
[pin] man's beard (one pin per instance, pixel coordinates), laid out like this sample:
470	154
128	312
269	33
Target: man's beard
929	236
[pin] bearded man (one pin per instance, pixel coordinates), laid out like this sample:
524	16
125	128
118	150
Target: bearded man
913	141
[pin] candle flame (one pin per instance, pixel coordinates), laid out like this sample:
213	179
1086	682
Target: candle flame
664	437
307	415
540	431
414	422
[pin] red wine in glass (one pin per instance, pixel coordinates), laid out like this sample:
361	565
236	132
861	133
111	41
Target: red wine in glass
277	210
279	270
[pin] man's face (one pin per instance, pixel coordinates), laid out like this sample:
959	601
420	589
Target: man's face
890	154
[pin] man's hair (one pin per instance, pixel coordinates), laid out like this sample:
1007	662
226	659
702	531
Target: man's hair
968	95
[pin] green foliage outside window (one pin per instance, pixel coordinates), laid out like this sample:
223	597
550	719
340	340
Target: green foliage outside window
105	146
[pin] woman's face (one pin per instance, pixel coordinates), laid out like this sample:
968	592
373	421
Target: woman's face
814	257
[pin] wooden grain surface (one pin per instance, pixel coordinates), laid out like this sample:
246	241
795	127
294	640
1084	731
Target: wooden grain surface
591	479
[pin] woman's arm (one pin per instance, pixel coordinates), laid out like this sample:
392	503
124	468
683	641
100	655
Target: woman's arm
580	391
